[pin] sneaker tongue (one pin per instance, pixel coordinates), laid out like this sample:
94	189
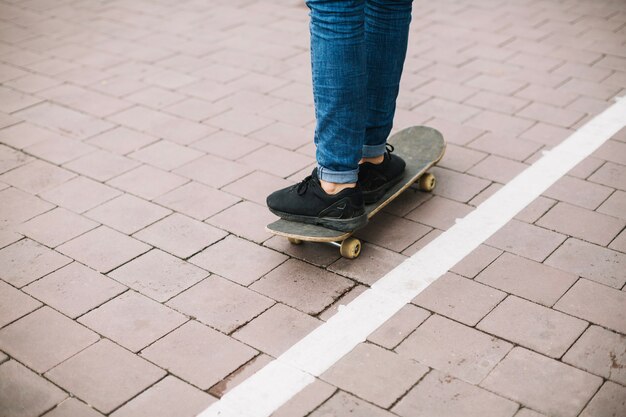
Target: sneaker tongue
314	175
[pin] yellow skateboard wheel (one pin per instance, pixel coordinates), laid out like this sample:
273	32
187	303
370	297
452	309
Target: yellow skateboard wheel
350	248
427	182
294	241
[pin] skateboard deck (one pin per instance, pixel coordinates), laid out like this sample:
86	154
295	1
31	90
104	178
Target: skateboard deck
421	147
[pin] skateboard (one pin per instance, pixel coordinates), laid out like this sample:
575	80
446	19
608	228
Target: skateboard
421	147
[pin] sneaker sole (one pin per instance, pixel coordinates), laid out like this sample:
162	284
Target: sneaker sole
343	225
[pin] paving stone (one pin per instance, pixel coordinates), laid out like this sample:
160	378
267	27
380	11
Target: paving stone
239	375
14	304
17	206
527	279
307	400
11	158
121	140
504	146
197	200
343	404
527	412
557	389
198	354
499	123
74	289
392	232
459	158
196	109
36	177
394	374
127	213
590	261
302	286
239	121
399	326
72	407
168	397
221	304
26	261
284	135
256	186
24	393
456	186
238	260
584	224
619	243
132	320
105	375
102	165
476	261
535	327
374	263
229	145
578	192
13	100
497	169
551	114
64	120
611	175
459	298
277	329
103	249
213	171
158	275
246	220
59	150
600	352
56	227
612	150
180	235
526	240
546	134
440	395
609	401
276	161
439	212
615	205
166	155
321	255
436	344
342	301
579	302
44	339
147	182
80	194
160	124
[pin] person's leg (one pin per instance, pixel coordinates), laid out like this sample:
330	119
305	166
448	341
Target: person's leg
338	64
330	196
386	38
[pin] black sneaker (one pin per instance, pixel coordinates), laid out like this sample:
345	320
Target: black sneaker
376	179
307	202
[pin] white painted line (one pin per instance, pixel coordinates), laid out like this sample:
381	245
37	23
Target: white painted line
265	391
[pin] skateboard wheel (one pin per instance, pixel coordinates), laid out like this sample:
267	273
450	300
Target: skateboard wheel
427	182
294	241
350	248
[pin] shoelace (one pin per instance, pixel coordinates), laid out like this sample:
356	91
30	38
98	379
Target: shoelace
390	148
304	185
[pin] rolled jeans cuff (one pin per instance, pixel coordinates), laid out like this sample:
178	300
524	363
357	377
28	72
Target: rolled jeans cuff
339	177
372	151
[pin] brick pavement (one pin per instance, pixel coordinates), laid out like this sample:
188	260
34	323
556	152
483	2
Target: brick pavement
135	275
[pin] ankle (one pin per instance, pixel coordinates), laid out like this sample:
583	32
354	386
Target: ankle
334	188
375	160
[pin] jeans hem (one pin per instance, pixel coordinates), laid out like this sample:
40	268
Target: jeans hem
372	151
338	177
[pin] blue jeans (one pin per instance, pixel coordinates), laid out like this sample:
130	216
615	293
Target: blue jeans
357	54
